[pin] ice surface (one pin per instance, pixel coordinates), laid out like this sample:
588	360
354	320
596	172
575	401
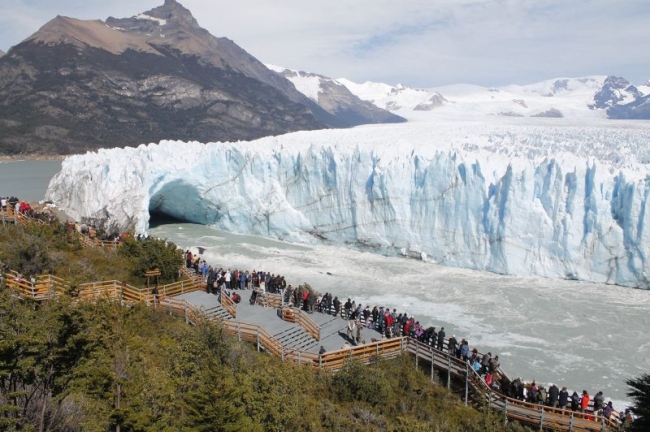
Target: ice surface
545	197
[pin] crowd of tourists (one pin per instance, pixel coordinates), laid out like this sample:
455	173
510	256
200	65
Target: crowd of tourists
218	279
389	323
16	205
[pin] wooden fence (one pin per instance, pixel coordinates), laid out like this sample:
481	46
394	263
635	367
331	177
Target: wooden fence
301	318
228	304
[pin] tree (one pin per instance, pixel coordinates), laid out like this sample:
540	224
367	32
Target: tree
153	253
640	394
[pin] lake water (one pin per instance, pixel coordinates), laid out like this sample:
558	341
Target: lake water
27	179
582	335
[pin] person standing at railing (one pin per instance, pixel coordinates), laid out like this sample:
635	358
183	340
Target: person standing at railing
485	362
242	280
464	350
441	338
608	410
553	395
337	305
584	401
599	402
346	309
563	398
228	278
575	401
451	345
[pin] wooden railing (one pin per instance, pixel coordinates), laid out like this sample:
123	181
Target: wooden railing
228	304
37	291
180	287
524	412
295	315
271	300
192	275
88	242
309	325
368	353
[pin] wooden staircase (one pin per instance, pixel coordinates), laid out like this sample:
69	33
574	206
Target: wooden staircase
296	338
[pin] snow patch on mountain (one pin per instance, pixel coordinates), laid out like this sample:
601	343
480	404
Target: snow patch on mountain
569	96
517	196
306	83
161	22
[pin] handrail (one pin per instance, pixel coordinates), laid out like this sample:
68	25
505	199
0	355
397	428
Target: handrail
272	300
541	415
368	353
308	325
295	315
228	304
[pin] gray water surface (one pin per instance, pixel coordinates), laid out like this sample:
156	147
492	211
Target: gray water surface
28	180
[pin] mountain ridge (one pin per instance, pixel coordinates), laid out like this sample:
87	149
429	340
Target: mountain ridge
78	85
597	96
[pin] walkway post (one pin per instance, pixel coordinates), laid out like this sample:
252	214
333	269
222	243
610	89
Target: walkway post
506	412
258	339
448	371
432	359
417	354
571	423
541	417
282	352
466	382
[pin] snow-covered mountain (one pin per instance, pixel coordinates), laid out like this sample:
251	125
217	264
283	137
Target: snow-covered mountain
587	97
336	99
512	195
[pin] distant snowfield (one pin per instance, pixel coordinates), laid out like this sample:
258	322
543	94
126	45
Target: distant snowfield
565	97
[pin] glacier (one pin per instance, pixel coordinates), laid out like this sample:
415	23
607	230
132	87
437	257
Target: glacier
542	197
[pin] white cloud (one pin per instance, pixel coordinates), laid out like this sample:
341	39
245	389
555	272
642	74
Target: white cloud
415	42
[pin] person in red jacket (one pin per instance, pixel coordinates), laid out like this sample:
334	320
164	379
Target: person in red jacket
584	402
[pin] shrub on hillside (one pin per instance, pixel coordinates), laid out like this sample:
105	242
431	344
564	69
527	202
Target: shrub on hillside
150	253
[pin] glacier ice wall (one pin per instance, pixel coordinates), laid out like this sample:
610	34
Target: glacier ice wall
577	219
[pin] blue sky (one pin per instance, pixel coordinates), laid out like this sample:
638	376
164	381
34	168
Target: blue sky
421	43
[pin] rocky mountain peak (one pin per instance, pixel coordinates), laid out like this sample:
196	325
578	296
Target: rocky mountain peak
172	10
2	53
615	82
164	20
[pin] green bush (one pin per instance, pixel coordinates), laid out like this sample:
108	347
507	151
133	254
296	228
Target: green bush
150	253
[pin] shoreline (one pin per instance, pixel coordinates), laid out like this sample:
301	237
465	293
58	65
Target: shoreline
18	158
